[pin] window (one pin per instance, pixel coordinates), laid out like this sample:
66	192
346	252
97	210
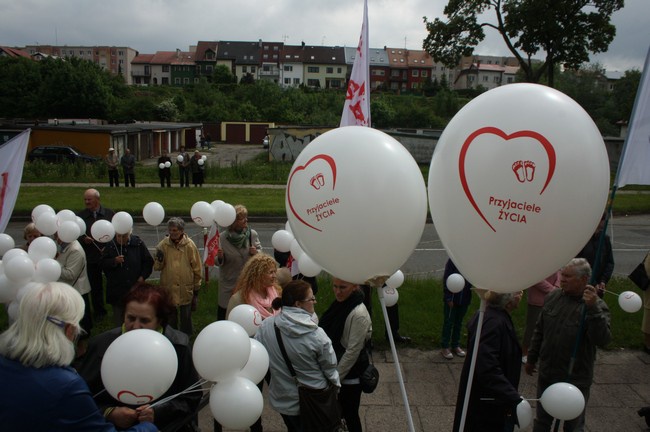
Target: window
265	56
186	80
244	69
288	68
165	81
394	73
208	69
313	83
120	53
434	68
486	78
266	47
425	74
296	81
276	48
177	81
497	79
415	73
329	70
252	69
414	85
266	68
339	70
287	81
165	68
313	69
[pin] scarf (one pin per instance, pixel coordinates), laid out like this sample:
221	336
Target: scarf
333	320
263	304
238	239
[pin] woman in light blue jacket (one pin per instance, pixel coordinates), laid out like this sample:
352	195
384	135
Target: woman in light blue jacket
308	348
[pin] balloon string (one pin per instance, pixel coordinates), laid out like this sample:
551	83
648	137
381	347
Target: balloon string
187	390
611	292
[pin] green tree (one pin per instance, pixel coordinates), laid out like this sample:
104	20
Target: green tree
564	30
222	75
166	111
19	82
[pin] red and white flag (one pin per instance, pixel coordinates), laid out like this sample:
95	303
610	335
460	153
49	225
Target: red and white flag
12	159
211	246
356	110
635	158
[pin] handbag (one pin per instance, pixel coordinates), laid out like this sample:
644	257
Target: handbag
370	376
319	408
639	276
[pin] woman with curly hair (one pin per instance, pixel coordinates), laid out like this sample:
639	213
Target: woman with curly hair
257	285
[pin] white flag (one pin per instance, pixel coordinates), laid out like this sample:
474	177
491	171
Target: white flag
356	110
12	159
634	163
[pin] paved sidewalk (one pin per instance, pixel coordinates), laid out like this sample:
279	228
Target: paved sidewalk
621	386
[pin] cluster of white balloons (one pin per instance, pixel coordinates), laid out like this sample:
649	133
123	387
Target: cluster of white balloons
66	224
389	290
205	214
163	165
561	400
225	354
284	241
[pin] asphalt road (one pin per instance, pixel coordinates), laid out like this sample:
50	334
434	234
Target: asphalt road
630	239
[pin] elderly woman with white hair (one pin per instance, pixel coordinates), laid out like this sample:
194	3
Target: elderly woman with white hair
494	394
41	391
126	261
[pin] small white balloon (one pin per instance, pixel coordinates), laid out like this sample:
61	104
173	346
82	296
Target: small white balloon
236	403
161	165
42	247
258	363
524	415
246	316
563	401
68	231
200	162
396	280
11	254
391	296
630	301
202	213
6	243
225	215
281	240
46	223
153	213
65	215
40	209
179	158
455	283
308	266
82	225
102	231
204	157
122	222
21	270
47	270
168	164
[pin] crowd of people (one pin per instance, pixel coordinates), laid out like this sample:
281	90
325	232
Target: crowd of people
567	320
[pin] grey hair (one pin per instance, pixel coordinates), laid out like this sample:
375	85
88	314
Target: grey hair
498	300
38	336
581	266
95	192
176	222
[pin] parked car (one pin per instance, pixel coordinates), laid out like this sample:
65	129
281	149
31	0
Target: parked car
56	154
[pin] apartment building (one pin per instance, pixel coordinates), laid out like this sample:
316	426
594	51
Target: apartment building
378	65
116	60
324	67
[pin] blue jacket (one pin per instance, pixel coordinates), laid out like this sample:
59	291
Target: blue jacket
50	399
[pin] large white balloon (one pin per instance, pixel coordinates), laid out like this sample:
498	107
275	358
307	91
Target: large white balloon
11	254
68	231
246	316
455	282
42	247
46	223
532	172
153	213
139	367
563	401
20	270
6	243
281	240
221	350
236	403
630	301
65	215
102	231
225	214
346	194
122	222
257	364
202	213
296	249
47	270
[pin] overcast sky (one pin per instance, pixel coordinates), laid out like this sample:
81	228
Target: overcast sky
164	25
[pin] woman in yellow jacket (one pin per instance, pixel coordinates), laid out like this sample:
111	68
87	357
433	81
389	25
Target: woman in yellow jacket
179	263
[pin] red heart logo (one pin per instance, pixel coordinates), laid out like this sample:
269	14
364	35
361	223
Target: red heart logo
257	318
130	398
548	147
316	182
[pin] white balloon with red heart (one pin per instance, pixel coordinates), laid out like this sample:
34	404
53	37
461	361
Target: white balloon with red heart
353	194
139	366
518	182
246	316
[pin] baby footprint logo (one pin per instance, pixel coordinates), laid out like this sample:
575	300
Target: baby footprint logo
524	170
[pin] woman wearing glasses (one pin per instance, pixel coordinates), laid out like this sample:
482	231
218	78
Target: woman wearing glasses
41	391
